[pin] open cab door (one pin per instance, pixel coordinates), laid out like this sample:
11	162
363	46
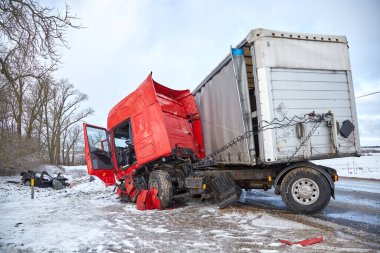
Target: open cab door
98	154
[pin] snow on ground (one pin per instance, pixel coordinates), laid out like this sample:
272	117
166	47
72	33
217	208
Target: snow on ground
87	217
356	167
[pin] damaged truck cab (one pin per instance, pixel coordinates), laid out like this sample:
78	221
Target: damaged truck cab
151	127
276	101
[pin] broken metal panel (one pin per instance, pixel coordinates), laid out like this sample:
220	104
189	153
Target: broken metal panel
240	69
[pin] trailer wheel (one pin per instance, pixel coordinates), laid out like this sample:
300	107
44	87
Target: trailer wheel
305	190
161	180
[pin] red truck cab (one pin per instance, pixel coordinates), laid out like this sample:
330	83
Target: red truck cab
152	123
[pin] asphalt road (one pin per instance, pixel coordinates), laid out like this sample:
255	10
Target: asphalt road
356	204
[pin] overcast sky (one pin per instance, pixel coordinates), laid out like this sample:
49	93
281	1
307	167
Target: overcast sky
182	41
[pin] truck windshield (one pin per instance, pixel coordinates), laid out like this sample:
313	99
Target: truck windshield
120	142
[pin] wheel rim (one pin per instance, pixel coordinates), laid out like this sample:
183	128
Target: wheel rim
305	191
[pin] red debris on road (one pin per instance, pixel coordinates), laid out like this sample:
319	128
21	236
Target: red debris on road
148	200
306	242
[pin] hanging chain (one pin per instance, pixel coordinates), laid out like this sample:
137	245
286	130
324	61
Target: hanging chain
235	141
275	124
303	142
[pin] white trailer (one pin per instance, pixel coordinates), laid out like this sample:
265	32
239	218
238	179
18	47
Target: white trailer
280	77
275	102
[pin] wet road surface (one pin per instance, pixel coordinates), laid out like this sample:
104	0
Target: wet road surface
356	204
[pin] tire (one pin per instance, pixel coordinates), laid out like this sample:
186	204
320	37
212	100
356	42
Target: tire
305	190
238	191
161	180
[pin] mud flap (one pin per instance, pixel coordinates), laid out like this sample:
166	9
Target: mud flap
225	190
148	200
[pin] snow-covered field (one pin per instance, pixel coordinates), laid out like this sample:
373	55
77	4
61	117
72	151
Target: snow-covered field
357	167
87	217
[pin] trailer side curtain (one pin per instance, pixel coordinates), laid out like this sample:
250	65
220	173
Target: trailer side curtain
221	114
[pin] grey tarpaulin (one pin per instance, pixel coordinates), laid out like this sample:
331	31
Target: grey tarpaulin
225	112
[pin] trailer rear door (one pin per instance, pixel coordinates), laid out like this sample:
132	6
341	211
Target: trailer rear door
299	75
98	154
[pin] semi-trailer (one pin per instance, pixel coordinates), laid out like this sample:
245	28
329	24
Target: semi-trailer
277	101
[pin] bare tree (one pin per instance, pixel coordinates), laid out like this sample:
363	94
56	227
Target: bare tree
76	140
62	112
30	36
33	106
71	138
34	102
31	32
6	116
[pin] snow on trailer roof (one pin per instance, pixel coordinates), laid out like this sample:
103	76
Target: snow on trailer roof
259	33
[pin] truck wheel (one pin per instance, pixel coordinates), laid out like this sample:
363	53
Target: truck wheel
161	180
305	190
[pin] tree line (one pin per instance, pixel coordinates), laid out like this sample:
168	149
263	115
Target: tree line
39	115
